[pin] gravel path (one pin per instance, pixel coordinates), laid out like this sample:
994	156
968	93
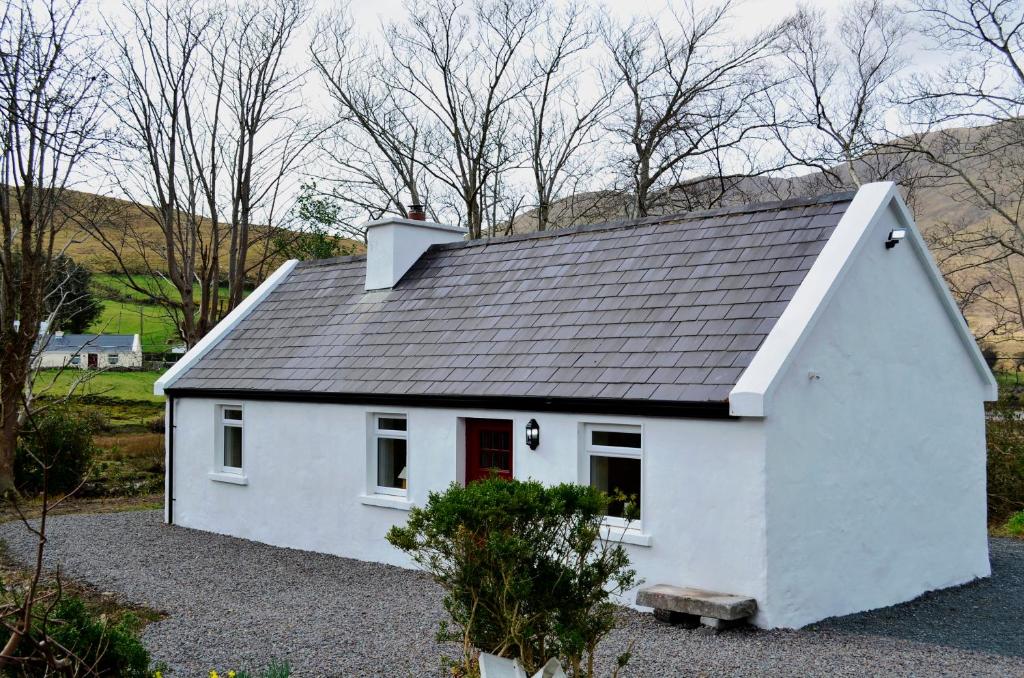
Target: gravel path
236	603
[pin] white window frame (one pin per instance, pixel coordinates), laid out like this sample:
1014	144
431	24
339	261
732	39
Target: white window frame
590	450
112	358
223	422
376	433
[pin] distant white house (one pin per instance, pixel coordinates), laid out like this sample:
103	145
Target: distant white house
91	351
789	390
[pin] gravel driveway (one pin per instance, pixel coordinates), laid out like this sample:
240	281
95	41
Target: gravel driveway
236	603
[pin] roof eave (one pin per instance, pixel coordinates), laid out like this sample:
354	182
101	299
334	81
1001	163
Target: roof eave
617	406
221	329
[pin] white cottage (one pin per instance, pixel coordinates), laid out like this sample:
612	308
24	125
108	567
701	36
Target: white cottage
90	351
789	388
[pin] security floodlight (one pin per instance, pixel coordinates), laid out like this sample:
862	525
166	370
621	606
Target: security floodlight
895	235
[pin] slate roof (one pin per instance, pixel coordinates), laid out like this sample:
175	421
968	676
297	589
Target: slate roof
668	308
95	343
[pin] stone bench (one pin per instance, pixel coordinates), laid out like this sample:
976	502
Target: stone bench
692	607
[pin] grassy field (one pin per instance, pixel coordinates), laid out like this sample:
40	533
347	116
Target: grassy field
121	315
156	330
129	439
131	386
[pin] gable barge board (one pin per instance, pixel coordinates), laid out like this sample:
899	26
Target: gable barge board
649	408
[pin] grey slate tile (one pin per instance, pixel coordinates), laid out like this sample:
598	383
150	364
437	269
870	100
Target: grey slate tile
666	308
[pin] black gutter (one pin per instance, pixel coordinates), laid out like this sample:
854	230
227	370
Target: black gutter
645	408
170	460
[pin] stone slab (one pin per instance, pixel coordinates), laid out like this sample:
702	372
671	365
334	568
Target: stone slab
698	602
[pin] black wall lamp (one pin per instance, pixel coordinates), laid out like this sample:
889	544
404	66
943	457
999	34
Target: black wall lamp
532	434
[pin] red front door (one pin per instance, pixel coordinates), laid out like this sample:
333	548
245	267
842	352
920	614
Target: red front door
488	448
93	360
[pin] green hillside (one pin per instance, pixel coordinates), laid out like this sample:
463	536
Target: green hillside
128	311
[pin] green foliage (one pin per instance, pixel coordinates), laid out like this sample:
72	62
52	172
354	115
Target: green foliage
1005	433
60	438
1015	524
68	292
524	570
274	670
315	237
114	649
70	289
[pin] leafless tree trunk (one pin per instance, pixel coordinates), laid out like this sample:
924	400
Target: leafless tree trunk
375	150
271	134
560	121
464	65
687	105
213	135
156	70
52	90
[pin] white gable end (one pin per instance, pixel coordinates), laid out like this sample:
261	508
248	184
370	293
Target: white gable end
876	209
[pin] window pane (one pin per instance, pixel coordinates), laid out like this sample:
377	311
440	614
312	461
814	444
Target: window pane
613	475
112	359
233	446
615	439
391	471
391	423
232	414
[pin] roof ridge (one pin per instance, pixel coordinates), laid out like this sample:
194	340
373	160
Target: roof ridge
676	217
330	261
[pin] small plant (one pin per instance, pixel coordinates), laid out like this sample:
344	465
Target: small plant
525	572
275	669
111	649
1015	525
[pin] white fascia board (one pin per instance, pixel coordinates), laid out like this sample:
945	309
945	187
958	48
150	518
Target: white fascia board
221	329
871	203
956	316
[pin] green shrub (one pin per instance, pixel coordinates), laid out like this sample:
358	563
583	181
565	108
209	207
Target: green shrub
523	567
113	649
1015	525
1005	433
61	438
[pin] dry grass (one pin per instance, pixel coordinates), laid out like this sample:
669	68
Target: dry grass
31	508
132	446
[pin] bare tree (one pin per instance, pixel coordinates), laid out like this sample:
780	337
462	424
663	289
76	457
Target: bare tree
375	152
687	110
464	65
51	89
213	131
838	92
272	132
157	68
983	90
560	120
969	135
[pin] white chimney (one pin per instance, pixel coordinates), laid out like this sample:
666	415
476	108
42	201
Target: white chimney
393	246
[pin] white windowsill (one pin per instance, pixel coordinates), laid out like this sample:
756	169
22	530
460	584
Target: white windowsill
386	501
232	478
625	535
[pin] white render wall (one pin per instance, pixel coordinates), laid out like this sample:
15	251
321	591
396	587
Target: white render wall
306	465
876	449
